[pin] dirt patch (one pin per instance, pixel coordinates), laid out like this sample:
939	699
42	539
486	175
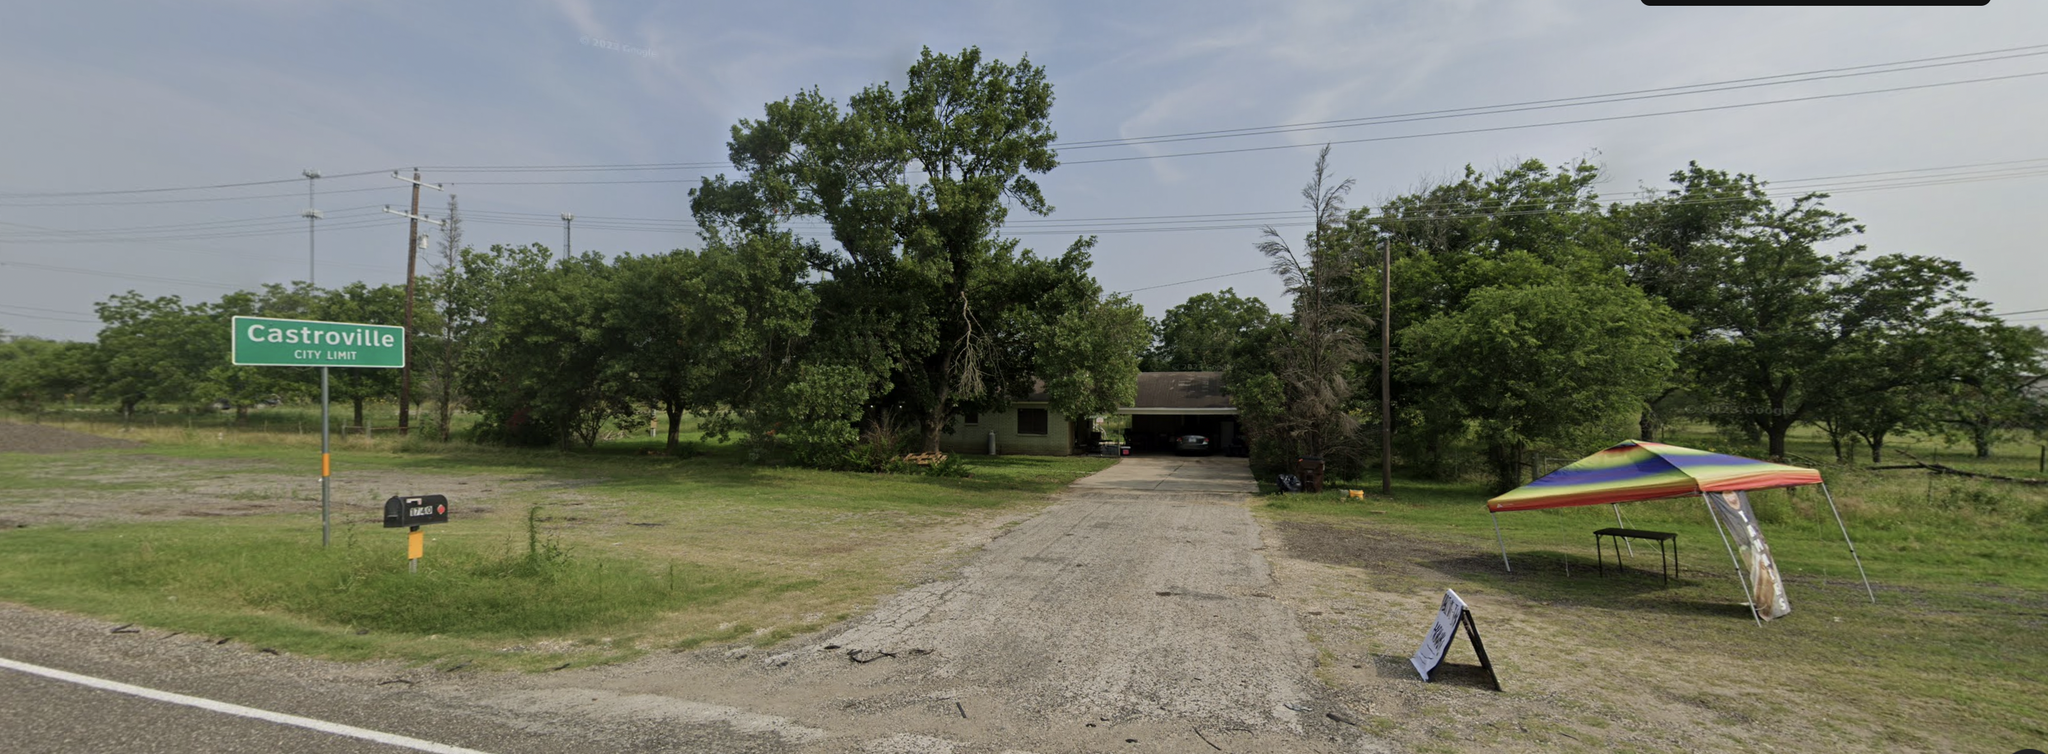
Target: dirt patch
35	438
86	489
1588	663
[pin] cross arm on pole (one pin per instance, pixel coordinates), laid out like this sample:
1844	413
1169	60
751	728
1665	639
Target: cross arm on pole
418	182
421	218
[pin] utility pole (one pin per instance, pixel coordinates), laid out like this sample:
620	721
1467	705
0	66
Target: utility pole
566	218
311	215
1386	367
412	256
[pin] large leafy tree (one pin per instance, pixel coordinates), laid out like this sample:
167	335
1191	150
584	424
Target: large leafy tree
1547	364
154	349
1524	225
539	365
651	323
35	371
711	332
924	305
1994	383
1202	333
243	387
1784	319
1676	243
1089	353
360	302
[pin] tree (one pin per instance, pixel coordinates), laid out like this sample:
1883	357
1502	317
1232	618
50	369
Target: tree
1676	244
244	387
1791	322
538	366
652	324
1523	225
1552	363
1995	383
450	326
358	302
924	306
35	371
1201	334
154	350
1089	354
709	333
755	311
1312	418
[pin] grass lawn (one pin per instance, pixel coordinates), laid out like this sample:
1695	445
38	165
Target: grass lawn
1949	658
550	557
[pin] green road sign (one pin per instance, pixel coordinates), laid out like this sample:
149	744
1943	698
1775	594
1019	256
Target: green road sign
266	342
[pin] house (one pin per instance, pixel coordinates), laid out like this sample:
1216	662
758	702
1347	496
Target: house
1168	404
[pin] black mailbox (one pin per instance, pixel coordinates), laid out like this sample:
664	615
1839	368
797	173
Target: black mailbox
400	512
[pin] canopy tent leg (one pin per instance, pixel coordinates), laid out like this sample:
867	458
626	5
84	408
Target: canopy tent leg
1737	562
1503	542
1852	545
1618	522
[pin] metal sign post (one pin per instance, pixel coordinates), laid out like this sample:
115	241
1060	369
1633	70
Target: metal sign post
326	465
271	342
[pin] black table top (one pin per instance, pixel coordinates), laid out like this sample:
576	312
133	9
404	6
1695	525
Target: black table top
1615	531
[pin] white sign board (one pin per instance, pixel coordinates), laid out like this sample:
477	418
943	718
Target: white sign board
1439	639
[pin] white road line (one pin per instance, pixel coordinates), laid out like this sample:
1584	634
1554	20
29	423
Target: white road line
323	726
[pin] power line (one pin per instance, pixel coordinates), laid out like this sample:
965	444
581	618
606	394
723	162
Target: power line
56	319
125	276
693	179
573	168
258	221
1580	101
1969	58
10	203
1197	280
279	228
211	187
1842	183
52	311
1575	121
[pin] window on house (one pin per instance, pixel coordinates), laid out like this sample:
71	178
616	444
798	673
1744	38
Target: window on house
970	418
1031	421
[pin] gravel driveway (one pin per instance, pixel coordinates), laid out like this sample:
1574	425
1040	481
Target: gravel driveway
1135	614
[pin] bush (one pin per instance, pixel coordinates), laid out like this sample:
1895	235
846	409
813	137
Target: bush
952	467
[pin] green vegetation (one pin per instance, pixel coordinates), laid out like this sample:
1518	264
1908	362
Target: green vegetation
1947	658
837	357
1529	318
550	557
1911	529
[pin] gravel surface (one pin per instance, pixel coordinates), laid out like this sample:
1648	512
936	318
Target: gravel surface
35	438
1136	614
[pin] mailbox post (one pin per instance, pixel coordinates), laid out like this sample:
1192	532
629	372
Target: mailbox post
411	513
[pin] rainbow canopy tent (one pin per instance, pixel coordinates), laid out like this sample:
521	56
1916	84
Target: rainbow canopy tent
1634	471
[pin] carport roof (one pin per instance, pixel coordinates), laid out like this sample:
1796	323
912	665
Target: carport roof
1180	393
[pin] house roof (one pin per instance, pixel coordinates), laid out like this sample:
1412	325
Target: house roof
1157	390
1166	393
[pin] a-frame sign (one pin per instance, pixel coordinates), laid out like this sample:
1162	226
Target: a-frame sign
1449	618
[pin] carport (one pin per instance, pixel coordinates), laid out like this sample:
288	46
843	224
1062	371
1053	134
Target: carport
1178	403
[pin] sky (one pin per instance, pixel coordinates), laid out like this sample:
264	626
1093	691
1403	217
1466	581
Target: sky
1923	123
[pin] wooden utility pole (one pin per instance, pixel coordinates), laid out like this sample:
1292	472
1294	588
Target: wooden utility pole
1386	367
412	255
